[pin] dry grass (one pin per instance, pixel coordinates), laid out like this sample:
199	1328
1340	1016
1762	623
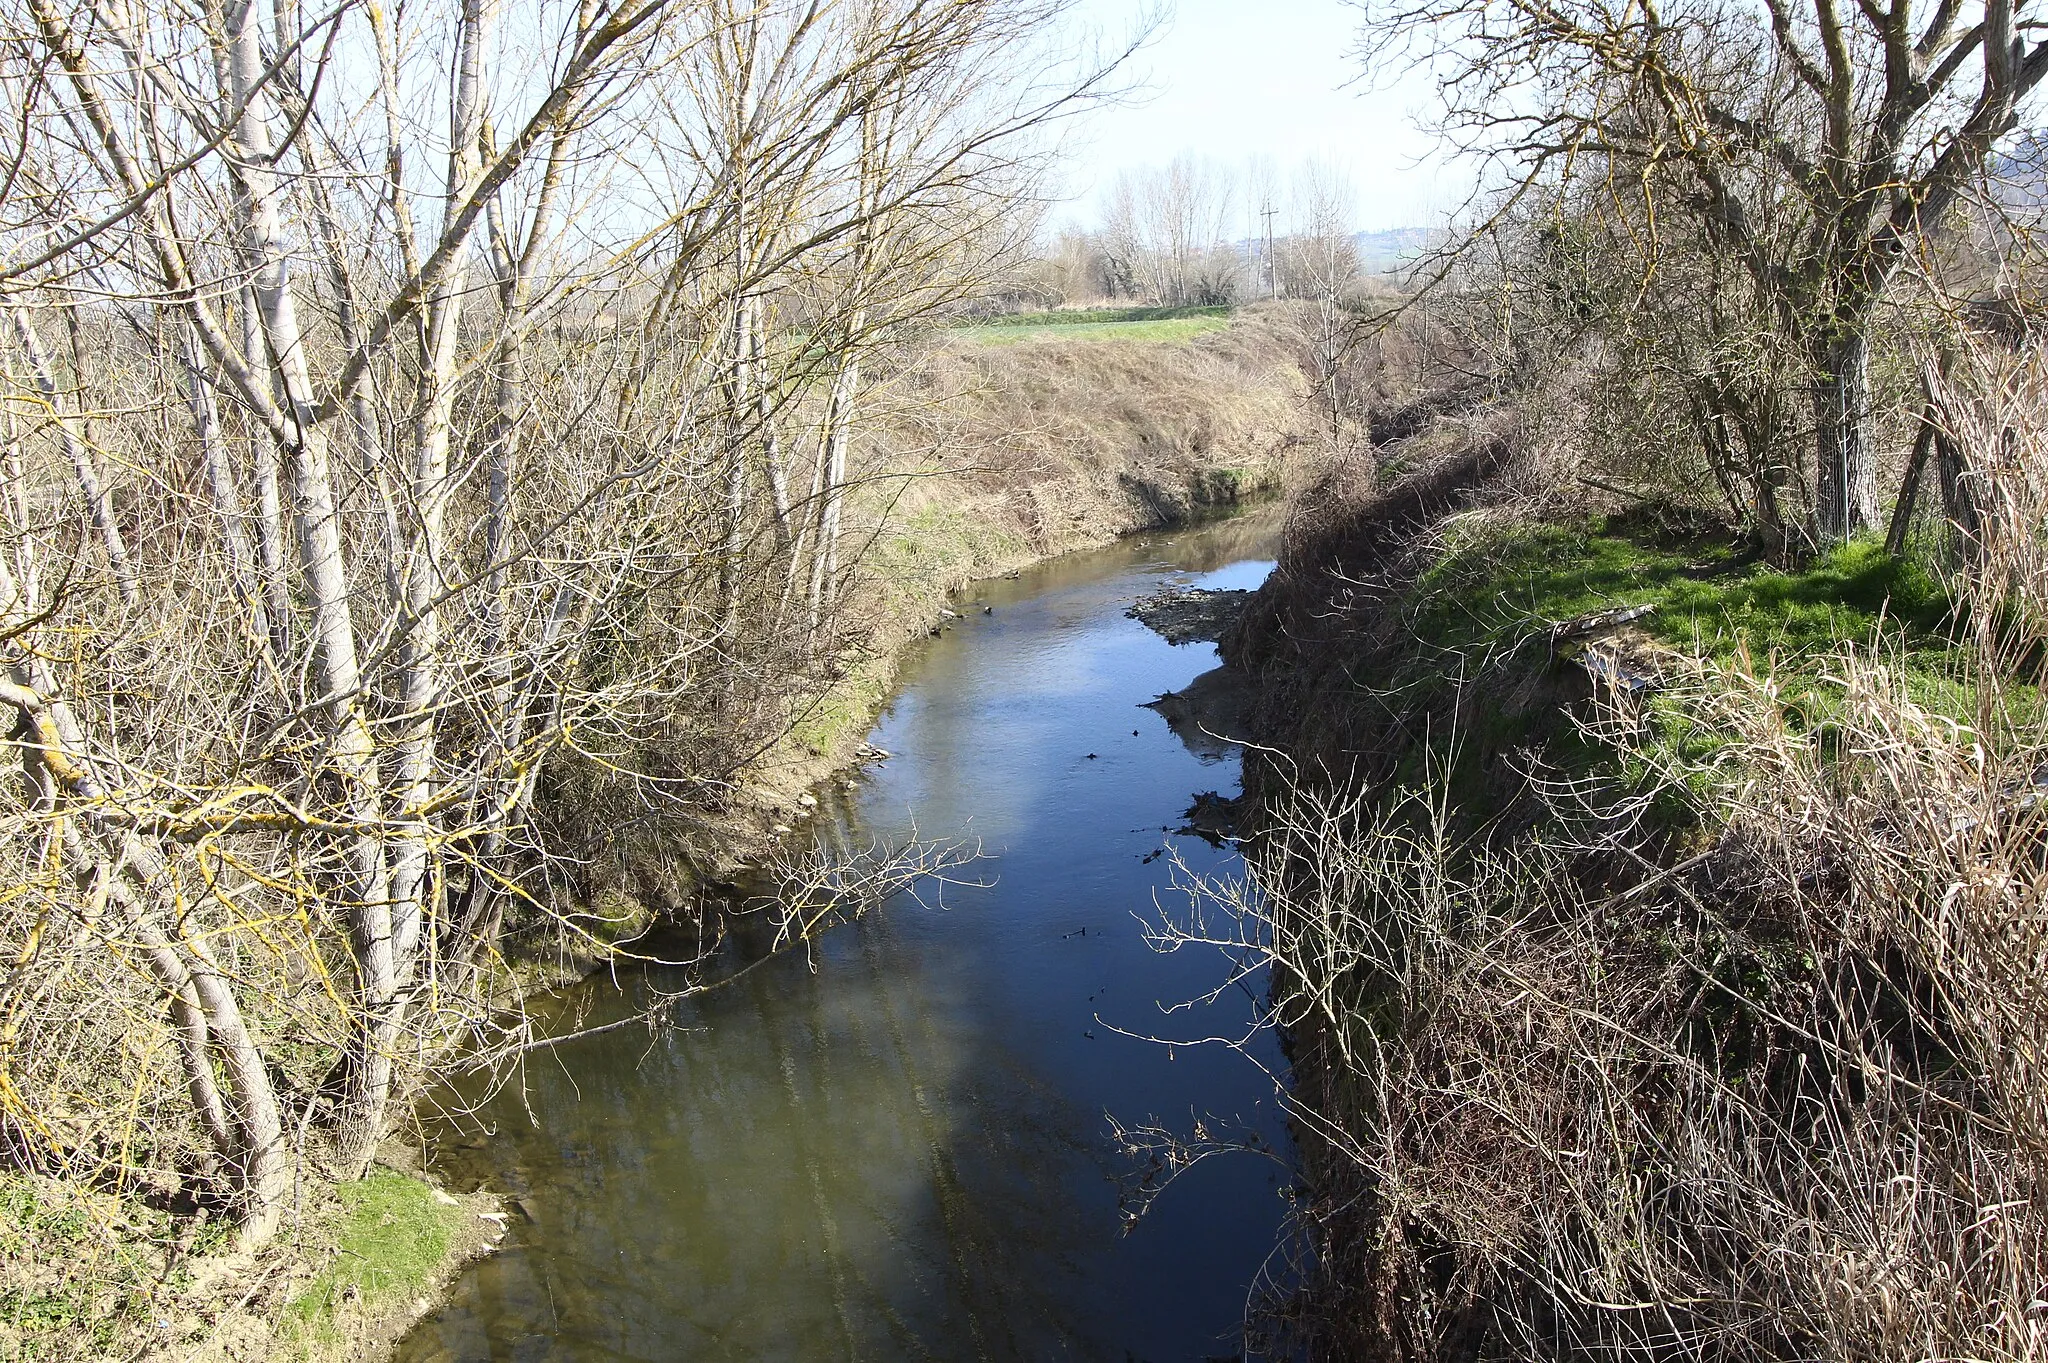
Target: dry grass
1786	1103
1157	331
988	459
1075	437
1765	1085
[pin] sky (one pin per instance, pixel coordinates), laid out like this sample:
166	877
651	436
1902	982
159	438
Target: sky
1230	79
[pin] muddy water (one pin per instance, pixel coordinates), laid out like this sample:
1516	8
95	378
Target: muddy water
900	1147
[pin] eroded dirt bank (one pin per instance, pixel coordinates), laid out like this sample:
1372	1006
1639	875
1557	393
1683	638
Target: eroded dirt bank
1595	844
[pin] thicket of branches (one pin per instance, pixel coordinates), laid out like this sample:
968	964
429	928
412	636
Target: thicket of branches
418	420
1754	225
1719	1039
1724	1043
1782	1103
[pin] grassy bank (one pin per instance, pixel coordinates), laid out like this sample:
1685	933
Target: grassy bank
996	457
88	1276
1081	317
976	460
1450	647
1143	325
1487	671
1629	1019
1161	330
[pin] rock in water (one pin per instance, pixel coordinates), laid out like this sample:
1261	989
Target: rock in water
1189	615
1211	818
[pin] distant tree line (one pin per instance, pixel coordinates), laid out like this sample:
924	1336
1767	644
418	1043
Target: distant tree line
1193	233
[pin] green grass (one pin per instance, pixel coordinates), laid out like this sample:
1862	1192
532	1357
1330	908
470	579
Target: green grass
1500	589
846	710
78	1273
1227	487
925	552
1158	331
1481	616
1071	317
394	1236
921	555
613	918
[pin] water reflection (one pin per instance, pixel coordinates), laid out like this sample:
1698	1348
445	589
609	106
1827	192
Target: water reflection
897	1147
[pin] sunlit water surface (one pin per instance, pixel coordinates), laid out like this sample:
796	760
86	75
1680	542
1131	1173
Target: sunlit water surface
900	1147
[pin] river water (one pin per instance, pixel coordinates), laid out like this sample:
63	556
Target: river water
899	1145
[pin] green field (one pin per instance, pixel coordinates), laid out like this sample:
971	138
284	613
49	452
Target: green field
1108	324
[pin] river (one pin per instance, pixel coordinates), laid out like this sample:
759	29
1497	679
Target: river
899	1144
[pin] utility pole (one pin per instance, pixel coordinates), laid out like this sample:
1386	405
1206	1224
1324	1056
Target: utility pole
1272	275
1251	278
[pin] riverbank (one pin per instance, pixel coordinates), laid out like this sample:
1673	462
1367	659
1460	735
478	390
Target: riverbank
1053	446
981	458
1052	450
1001	454
897	1142
1597	848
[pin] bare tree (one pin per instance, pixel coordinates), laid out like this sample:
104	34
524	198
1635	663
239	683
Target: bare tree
1817	146
1319	263
370	550
1170	226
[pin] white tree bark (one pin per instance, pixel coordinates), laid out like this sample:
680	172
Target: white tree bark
766	423
350	746
271	555
85	470
420	683
832	460
226	492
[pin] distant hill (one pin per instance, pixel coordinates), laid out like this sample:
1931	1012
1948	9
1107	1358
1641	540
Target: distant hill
1388	251
1385	252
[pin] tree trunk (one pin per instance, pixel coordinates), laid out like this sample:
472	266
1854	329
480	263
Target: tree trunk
55	759
226	492
259	1153
1909	485
1959	503
738	383
825	553
413	883
270	534
324	568
1719	447
739	376
1845	495
84	468
764	418
362	425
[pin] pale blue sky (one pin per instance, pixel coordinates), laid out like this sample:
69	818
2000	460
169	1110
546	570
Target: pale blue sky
1230	79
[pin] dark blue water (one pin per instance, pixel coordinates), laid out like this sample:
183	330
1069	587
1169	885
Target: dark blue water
899	1145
